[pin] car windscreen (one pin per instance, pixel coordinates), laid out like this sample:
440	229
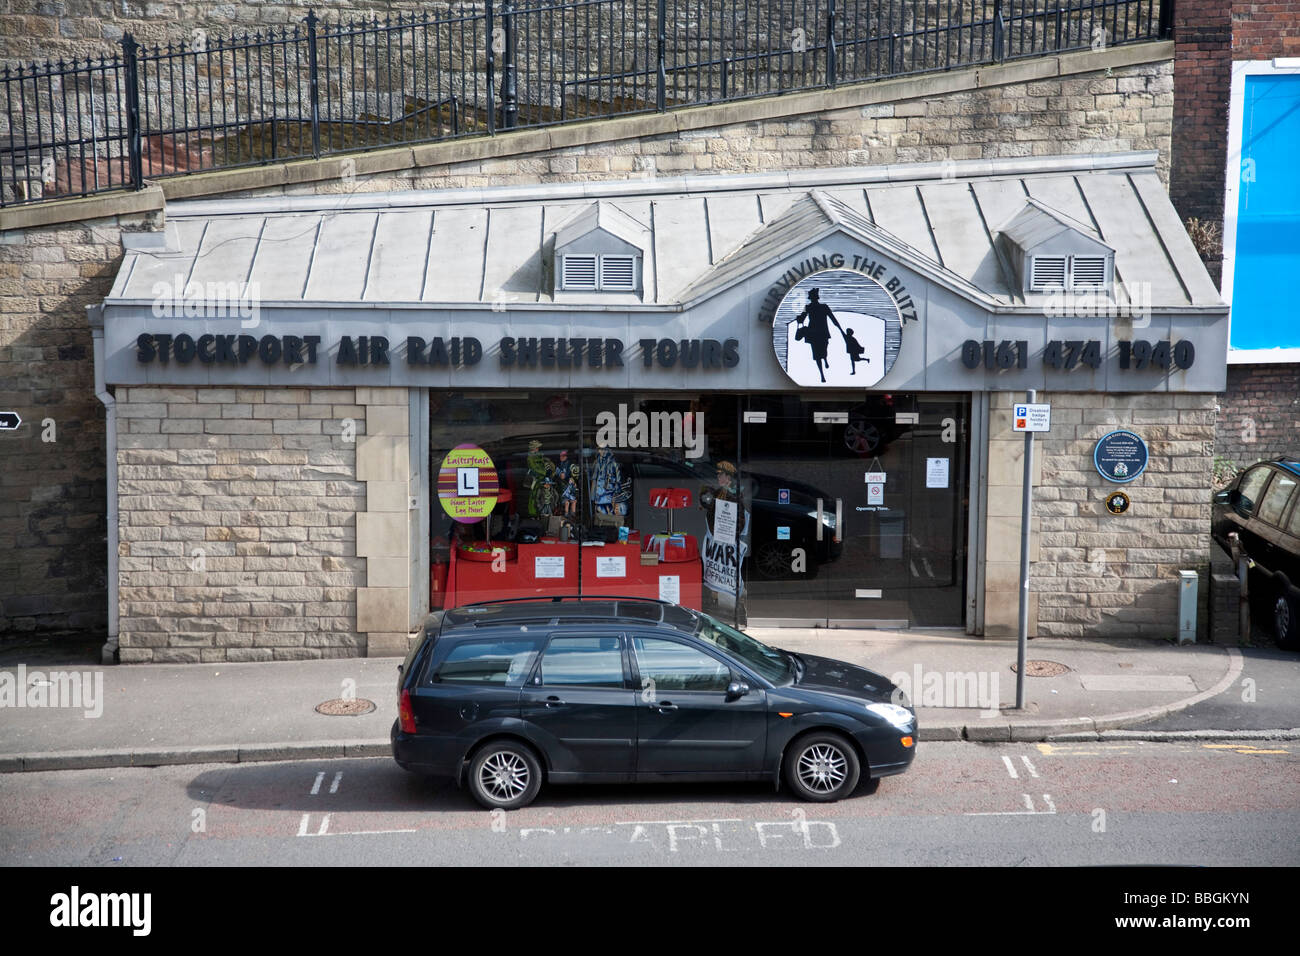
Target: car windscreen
765	661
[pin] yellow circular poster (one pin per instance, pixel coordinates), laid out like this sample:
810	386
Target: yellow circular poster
467	484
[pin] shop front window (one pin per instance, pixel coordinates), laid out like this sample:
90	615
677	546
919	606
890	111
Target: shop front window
595	494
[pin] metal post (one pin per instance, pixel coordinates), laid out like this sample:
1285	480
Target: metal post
491	92
1026	515
1243	587
509	79
135	152
662	83
1166	28
999	30
314	84
830	44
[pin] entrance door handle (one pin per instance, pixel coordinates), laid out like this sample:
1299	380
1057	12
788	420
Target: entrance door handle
839	518
819	519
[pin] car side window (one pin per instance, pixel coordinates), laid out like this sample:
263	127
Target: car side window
1275	499
1293	525
674	666
1249	490
581	661
500	663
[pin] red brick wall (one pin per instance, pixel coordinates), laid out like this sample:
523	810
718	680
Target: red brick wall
1259	417
1202	82
1261	31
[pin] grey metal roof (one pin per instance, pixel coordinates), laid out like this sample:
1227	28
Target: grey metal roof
466	248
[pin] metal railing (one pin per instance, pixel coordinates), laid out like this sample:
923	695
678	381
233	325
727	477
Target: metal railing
82	127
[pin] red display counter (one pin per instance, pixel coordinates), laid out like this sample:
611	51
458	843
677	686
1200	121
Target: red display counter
617	569
550	568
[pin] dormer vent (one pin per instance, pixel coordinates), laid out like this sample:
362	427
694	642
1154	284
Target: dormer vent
1050	252
600	249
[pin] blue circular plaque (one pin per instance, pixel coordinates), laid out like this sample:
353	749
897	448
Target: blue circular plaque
1120	456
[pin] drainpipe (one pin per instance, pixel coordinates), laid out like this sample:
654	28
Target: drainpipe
95	315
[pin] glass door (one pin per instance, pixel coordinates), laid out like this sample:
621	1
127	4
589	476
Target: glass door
858	509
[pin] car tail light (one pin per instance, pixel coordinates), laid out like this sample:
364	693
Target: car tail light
405	715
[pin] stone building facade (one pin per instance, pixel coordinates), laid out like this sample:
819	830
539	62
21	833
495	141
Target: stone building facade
1100	101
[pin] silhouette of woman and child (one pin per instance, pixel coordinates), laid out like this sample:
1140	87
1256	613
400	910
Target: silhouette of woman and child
818	334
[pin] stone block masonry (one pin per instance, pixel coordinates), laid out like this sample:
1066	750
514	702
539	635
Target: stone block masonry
239	545
1105	575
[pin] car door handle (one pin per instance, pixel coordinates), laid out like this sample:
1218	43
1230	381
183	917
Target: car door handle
664	706
554	702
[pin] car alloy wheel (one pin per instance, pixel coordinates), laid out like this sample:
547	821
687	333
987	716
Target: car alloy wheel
822	767
861	437
505	776
1286	621
773	559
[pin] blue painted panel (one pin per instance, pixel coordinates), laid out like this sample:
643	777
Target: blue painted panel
1267	263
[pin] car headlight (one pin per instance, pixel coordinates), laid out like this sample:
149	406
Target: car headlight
827	518
900	717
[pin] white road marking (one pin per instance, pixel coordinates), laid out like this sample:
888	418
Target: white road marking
334	787
1011	768
1031	812
1029	766
315	787
664	823
305	822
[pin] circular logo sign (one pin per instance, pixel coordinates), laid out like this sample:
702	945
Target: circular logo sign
468	484
1120	456
837	328
1117	502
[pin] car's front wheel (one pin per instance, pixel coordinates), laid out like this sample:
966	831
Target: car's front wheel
1286	619
822	767
505	776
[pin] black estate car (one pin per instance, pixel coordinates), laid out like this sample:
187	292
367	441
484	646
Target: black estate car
505	695
1263	507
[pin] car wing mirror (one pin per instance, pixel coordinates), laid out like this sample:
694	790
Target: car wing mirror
736	690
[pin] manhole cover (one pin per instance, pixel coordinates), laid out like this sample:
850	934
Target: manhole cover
1043	669
345	707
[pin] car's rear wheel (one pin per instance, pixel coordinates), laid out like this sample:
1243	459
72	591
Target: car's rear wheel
505	775
822	767
1286	619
